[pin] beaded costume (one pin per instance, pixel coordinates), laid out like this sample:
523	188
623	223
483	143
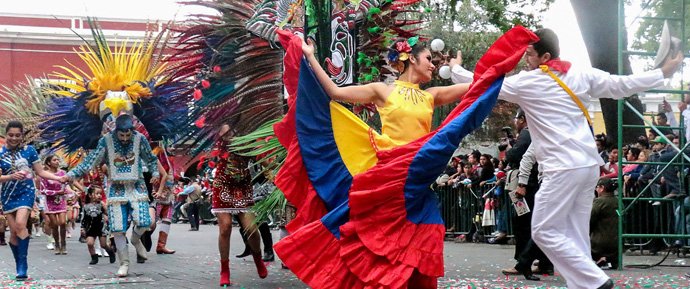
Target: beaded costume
126	189
232	188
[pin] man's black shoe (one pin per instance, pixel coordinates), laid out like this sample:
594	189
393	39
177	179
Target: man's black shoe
607	285
527	272
246	253
269	257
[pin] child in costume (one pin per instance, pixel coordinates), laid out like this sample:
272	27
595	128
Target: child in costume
95	217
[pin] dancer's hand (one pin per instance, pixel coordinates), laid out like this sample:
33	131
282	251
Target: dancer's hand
18	176
671	65
456	61
308	47
64	179
155	180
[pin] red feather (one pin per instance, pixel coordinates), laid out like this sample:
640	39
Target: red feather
200	122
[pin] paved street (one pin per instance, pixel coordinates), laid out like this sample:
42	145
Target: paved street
195	265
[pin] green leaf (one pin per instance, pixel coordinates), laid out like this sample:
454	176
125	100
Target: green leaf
413	40
374	30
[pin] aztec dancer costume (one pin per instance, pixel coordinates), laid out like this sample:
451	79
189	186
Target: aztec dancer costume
123	82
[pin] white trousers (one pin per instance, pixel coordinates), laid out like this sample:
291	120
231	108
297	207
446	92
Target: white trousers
560	225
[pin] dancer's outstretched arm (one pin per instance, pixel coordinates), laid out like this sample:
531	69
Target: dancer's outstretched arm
448	94
368	93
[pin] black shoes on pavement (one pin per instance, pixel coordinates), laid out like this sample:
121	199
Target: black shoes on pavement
607	285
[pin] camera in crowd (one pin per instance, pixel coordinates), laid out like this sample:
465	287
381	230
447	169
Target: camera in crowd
508	139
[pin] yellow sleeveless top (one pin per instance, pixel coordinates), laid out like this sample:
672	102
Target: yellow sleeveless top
407	114
405	117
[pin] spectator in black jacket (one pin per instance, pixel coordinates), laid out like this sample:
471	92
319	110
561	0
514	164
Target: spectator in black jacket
514	153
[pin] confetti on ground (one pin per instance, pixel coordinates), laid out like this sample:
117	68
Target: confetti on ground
622	281
8	282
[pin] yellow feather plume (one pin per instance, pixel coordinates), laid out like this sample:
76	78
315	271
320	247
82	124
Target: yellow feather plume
117	69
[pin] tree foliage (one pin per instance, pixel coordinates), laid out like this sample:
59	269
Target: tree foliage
647	35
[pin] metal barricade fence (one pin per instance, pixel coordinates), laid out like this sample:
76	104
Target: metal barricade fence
464	212
652	221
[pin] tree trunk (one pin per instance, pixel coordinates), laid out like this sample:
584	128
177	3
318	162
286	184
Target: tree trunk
598	21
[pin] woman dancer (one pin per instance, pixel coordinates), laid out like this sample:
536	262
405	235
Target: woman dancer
56	203
18	163
366	217
232	195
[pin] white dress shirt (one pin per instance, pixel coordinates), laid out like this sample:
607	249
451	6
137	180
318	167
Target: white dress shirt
558	127
460	75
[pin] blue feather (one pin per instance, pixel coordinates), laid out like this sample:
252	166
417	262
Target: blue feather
69	125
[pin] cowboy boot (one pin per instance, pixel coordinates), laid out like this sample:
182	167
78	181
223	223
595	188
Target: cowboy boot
246	252
162	241
267	239
111	255
146	240
63	247
260	266
22	262
225	273
15	253
139	247
123	255
94	259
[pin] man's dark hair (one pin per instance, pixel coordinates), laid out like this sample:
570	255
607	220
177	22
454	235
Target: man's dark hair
548	42
520	113
635	152
662	115
124	123
14	124
476	154
643	141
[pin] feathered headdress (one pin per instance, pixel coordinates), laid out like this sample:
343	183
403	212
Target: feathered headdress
23	102
75	119
238	75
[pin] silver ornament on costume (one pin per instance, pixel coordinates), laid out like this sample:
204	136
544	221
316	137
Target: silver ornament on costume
437	45
225	197
444	72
